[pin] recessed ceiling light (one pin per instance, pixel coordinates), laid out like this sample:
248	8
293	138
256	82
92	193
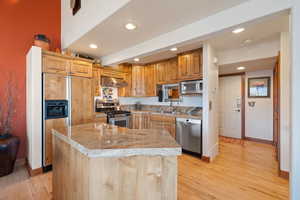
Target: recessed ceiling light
238	30
136	59
93	46
173	49
241	68
247	41
130	26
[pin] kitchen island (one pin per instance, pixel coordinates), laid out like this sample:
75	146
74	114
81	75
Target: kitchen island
101	161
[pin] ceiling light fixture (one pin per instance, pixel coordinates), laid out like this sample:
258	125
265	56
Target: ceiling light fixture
130	26
93	46
238	30
247	41
173	49
241	68
136	59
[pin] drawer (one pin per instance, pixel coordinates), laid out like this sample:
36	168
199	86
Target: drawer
162	118
56	65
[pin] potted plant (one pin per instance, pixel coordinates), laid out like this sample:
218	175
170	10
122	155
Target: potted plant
9	144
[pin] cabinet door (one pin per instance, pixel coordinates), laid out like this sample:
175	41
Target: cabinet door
138	80
190	65
81	68
59	125
55	86
82	100
100	120
160	72
96	81
150	80
52	64
172	71
140	121
162	122
126	91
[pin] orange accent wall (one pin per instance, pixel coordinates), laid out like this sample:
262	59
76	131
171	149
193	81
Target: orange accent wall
20	20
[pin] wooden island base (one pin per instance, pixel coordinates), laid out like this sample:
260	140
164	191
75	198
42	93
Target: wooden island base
78	177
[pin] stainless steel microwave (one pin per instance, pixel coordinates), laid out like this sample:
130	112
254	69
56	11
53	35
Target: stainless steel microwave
171	92
191	87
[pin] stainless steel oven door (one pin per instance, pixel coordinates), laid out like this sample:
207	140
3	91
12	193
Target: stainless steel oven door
120	121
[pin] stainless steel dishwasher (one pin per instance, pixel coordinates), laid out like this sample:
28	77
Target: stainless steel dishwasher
189	134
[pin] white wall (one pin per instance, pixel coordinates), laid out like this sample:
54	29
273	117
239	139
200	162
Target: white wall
259	119
210	97
34	107
295	139
193	101
266	49
92	13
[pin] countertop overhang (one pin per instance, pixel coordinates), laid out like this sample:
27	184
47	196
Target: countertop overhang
105	140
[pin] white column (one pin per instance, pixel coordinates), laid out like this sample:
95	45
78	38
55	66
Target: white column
210	103
285	100
295	139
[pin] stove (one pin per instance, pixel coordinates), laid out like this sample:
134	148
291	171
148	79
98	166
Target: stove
115	116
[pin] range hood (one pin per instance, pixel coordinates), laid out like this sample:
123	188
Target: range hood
113	82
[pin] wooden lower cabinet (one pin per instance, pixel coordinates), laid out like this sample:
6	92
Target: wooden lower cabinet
154	121
167	123
101	120
59	125
140	120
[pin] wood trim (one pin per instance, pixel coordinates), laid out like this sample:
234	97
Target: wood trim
284	174
205	159
33	172
243	105
259	140
20	162
51	53
233	74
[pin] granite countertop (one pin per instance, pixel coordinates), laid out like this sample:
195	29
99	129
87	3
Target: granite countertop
176	115
104	140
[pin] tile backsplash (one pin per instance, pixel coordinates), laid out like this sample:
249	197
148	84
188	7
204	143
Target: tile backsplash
190	101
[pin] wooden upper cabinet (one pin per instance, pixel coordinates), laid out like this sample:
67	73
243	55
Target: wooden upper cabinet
160	68
126	70
150	80
172	71
81	68
96	81
190	65
138	80
57	65
167	71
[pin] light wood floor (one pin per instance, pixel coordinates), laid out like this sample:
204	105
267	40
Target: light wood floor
242	171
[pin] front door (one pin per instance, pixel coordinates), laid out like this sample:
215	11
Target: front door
230	97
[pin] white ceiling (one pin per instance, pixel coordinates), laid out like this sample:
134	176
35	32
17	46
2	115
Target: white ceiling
253	65
258	31
152	17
